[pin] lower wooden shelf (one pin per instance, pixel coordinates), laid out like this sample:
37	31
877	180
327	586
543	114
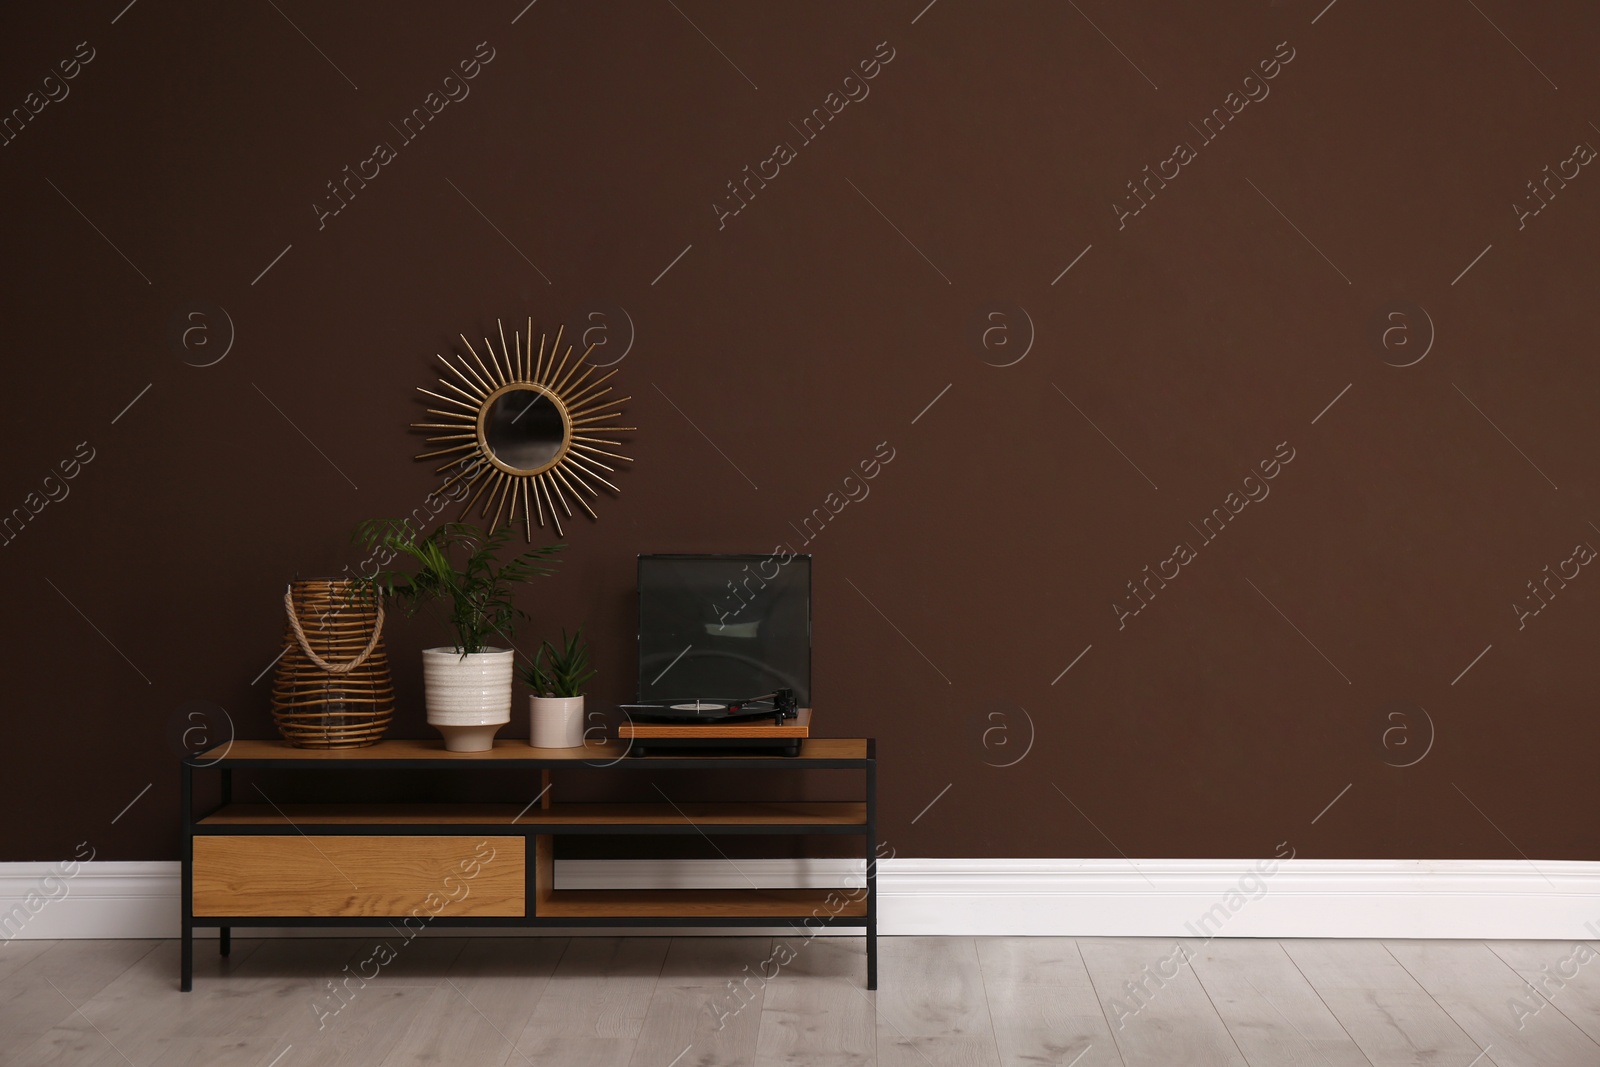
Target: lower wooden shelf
699	903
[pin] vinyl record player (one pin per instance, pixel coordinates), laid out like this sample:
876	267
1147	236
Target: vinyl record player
712	629
775	707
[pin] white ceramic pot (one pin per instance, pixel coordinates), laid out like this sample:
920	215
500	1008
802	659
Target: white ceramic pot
555	722
468	697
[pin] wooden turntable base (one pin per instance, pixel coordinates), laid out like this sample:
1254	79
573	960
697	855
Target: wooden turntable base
797	727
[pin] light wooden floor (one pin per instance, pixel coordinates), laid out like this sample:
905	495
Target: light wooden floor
1084	1002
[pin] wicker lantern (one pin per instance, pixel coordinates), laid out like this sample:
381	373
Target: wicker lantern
332	688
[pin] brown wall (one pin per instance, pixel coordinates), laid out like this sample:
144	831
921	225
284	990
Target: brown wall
1192	339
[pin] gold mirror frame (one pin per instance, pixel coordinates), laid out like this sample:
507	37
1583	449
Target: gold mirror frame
565	382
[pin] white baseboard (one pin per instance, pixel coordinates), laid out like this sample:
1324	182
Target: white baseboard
1144	898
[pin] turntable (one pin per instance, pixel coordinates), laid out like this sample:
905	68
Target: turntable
712	628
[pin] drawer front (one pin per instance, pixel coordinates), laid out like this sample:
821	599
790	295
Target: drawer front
338	875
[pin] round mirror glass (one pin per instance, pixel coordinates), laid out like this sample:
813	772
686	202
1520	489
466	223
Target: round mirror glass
524	430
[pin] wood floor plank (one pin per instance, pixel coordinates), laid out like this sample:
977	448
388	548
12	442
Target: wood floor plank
140	1015
366	1031
1158	1011
816	1012
945	1002
931	1006
494	986
688	1015
1392	1018
1567	973
595	1004
424	958
1480	993
41	996
316	959
1043	1004
1272	1012
15	953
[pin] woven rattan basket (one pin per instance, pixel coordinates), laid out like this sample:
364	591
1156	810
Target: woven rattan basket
332	688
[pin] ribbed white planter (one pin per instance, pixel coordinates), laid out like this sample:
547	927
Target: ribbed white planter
468	697
555	722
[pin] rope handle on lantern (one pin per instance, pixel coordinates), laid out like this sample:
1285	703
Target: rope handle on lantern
305	646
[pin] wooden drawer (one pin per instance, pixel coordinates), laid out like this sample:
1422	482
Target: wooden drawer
348	875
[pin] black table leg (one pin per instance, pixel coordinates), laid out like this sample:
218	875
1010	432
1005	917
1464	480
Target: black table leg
225	940
872	873
186	972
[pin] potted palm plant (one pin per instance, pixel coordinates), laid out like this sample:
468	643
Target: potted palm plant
557	677
467	685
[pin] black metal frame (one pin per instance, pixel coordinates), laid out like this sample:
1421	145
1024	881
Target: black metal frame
226	766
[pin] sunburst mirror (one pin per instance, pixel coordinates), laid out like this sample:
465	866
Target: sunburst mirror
521	429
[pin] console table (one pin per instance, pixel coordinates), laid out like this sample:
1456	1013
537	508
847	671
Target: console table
272	861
